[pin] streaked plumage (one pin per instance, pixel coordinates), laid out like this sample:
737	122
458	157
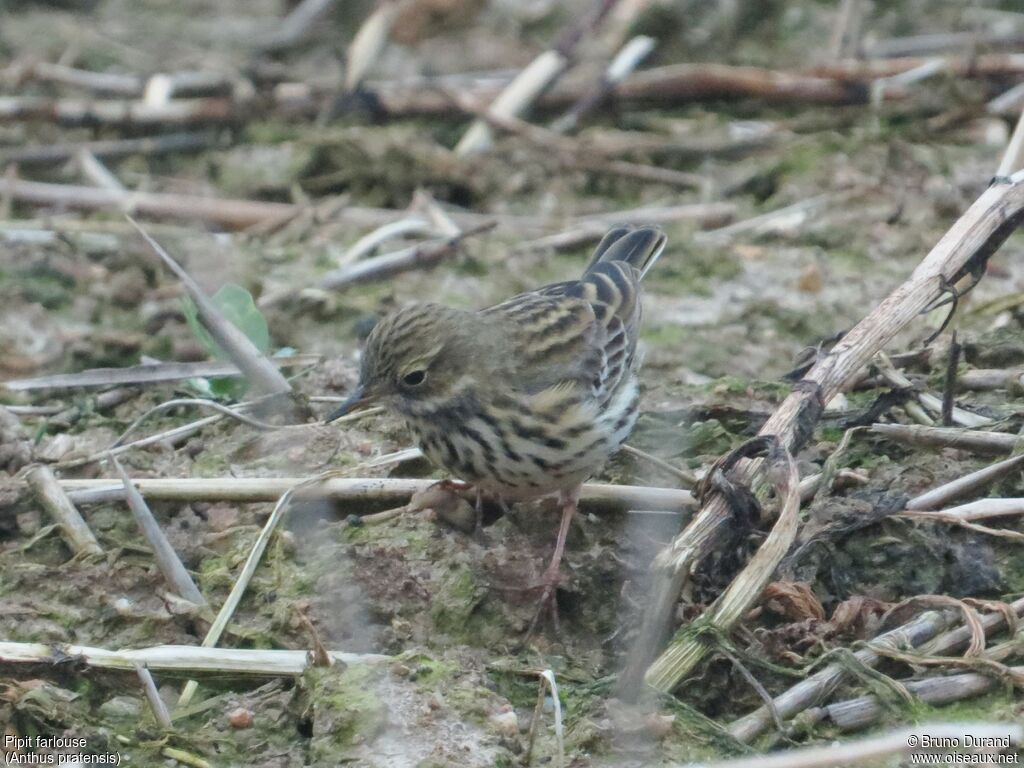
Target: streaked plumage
528	397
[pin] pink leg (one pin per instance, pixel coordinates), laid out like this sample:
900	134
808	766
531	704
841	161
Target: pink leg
552	576
479	509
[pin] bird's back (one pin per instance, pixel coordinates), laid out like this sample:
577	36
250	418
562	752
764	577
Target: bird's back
582	331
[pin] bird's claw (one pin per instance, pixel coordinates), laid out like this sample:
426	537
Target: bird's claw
548	601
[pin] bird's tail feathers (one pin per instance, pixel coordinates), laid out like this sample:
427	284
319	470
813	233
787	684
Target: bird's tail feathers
639	247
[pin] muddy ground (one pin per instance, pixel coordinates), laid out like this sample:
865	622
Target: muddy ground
727	313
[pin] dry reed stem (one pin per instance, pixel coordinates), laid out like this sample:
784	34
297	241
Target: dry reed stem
1007	103
181	659
982	509
122	113
1013	157
99	82
167	559
863	711
972	621
964	486
96	173
992	378
948	437
941	42
145	374
514	99
822	683
956	639
198	402
688	649
243	214
969	243
261	373
384	490
410	226
369	41
54	500
420	256
232	214
626	60
933	403
160	713
924	632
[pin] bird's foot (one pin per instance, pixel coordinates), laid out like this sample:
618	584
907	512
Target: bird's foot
553	575
453	486
548	602
461	488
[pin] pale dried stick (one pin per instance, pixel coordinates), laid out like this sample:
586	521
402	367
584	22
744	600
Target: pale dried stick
53	499
1013	157
100	82
862	711
421	256
260	372
948	437
529	84
369	42
932	402
983	509
687	649
628	59
144	374
682	474
180	659
98	174
965	486
160	713
411	225
515	99
382	489
167	559
822	683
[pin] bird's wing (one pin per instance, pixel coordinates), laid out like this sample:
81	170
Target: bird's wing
582	331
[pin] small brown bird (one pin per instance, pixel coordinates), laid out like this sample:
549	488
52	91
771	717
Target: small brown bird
526	398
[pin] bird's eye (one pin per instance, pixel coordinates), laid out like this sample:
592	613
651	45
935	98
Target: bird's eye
414	378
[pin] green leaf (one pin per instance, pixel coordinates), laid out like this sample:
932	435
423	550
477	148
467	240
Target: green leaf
238	307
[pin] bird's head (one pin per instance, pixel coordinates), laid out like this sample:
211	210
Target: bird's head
413	357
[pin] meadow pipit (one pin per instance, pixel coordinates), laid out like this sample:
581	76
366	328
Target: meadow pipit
526	398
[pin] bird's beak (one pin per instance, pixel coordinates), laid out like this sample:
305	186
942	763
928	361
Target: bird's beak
358	400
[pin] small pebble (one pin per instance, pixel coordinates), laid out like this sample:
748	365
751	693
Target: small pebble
505	723
288	543
354	520
240	718
121	708
123	606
